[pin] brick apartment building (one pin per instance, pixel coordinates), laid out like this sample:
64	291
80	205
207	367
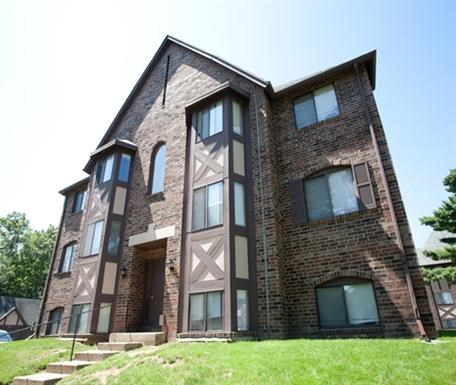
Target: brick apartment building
219	205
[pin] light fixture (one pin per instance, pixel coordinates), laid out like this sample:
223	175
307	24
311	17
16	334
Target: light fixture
171	263
123	272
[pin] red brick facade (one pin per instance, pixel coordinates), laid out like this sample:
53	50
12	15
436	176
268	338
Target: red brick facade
299	257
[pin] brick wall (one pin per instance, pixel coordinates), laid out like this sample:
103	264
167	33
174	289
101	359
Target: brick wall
357	244
60	285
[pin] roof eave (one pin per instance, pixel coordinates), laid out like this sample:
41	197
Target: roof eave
369	59
75	186
116	143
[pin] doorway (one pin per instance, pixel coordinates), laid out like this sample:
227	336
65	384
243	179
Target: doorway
153	294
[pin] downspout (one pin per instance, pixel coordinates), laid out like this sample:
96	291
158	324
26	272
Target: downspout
54	253
400	244
263	225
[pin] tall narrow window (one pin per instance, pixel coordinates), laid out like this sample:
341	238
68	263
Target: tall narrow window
114	238
237	118
242	310
210	121
208	206
124	169
196	321
67	258
158	169
239	204
104	169
78	203
55	316
79	316
93	238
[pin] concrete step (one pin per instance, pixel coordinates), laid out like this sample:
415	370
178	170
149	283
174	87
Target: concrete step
39	379
119	346
67	367
151	339
94	355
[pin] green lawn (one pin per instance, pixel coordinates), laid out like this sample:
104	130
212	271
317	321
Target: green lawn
26	357
335	362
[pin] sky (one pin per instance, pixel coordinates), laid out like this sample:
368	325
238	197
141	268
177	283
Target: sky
66	68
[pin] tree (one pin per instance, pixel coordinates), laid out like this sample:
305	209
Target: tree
24	256
444	218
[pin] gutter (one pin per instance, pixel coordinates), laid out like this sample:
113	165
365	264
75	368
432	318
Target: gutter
263	225
400	244
54	254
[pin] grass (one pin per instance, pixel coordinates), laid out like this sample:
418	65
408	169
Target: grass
19	358
351	362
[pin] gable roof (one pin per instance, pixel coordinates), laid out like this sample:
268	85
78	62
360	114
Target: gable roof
434	242
369	59
161	50
28	308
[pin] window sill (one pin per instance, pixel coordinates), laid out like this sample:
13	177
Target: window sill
76	213
206	228
321	122
353	330
338	218
156	197
62	274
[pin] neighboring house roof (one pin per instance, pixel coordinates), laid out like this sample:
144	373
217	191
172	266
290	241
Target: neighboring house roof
28	308
433	243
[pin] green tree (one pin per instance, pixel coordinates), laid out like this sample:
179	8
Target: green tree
24	256
444	218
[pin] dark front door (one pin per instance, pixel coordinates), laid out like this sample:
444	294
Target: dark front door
153	299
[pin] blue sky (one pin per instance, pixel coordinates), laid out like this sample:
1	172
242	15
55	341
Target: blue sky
67	66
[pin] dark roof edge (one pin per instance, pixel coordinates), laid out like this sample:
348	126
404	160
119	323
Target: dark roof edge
169	39
74	186
122	143
369	59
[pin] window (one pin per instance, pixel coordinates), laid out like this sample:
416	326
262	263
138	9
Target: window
444	298
210	121
242	310
237	118
104	169
239	204
330	195
124	168
55	316
316	106
206	311
93	238
67	258
80	316
79	199
104	315
449	323
208	206
114	238
158	169
347	304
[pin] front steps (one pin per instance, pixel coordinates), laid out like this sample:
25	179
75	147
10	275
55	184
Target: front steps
118	342
149	339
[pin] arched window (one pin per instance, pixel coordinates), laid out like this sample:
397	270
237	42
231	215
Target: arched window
55	316
158	169
347	302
